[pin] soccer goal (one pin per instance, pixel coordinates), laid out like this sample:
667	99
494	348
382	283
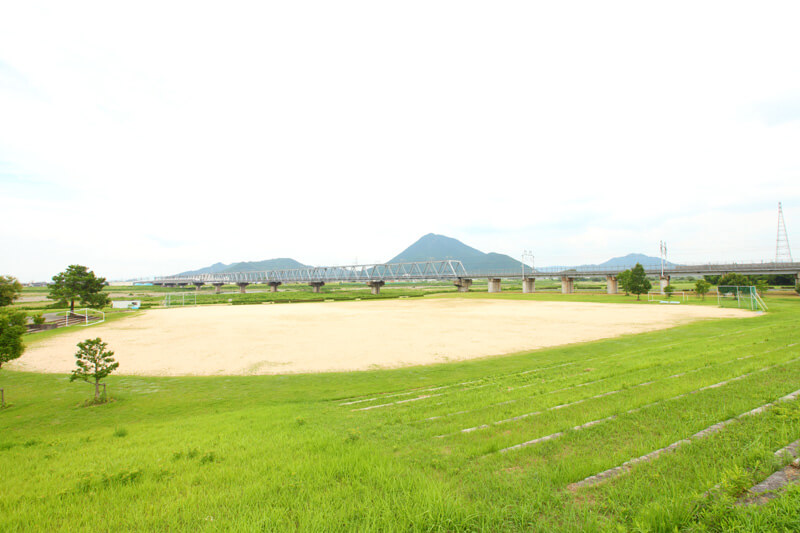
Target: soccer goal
676	298
84	317
180	299
743	296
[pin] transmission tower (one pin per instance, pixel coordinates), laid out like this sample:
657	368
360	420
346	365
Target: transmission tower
782	251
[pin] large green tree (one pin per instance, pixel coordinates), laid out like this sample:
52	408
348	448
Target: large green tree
638	283
10	289
701	287
12	328
734	279
78	283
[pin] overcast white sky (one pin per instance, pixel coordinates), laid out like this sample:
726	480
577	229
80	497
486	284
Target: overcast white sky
149	138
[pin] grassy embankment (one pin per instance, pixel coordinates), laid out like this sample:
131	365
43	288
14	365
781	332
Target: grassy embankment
283	452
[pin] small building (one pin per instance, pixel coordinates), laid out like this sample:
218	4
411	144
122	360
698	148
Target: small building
126	304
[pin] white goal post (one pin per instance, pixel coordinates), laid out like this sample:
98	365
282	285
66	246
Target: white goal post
742	296
90	316
180	299
676	298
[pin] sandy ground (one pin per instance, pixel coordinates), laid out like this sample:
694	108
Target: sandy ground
335	336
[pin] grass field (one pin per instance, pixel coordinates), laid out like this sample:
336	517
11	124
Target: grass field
387	450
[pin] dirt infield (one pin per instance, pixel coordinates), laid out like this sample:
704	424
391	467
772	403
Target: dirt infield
322	337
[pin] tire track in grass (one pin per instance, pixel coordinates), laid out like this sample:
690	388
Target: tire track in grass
425	397
586	383
692	371
636	409
359	399
710	430
762	492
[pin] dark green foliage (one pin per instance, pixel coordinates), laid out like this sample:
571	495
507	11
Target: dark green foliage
38	319
10	290
78	282
12	328
639	284
732	278
94	362
624	279
702	287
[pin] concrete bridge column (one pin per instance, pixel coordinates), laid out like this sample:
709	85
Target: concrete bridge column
198	284
273	286
612	287
218	287
463	284
528	285
375	286
315	285
663	282
567	285
494	284
242	286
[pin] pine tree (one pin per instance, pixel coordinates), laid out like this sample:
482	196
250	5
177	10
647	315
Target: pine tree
94	363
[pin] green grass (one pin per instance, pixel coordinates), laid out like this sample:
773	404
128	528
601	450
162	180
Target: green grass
284	453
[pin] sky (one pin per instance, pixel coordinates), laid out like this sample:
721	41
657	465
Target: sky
155	137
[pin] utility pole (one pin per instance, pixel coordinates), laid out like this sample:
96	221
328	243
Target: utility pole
782	251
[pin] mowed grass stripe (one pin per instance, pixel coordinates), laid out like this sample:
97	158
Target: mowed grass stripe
626	466
580	454
591	423
652	398
627	387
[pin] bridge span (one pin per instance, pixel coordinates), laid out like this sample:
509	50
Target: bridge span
378	274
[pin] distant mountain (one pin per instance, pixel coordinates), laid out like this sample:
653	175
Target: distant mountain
281	263
438	247
631	260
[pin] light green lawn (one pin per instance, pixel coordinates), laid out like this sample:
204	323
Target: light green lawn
285	452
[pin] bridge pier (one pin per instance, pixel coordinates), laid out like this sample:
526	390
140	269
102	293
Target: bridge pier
217	287
273	286
316	285
612	286
663	282
463	284
494	284
567	285
182	284
198	284
375	286
242	286
528	285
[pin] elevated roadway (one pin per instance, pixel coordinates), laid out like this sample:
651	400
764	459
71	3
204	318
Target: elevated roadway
376	275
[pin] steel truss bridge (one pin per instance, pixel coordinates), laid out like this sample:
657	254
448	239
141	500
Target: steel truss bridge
417	271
